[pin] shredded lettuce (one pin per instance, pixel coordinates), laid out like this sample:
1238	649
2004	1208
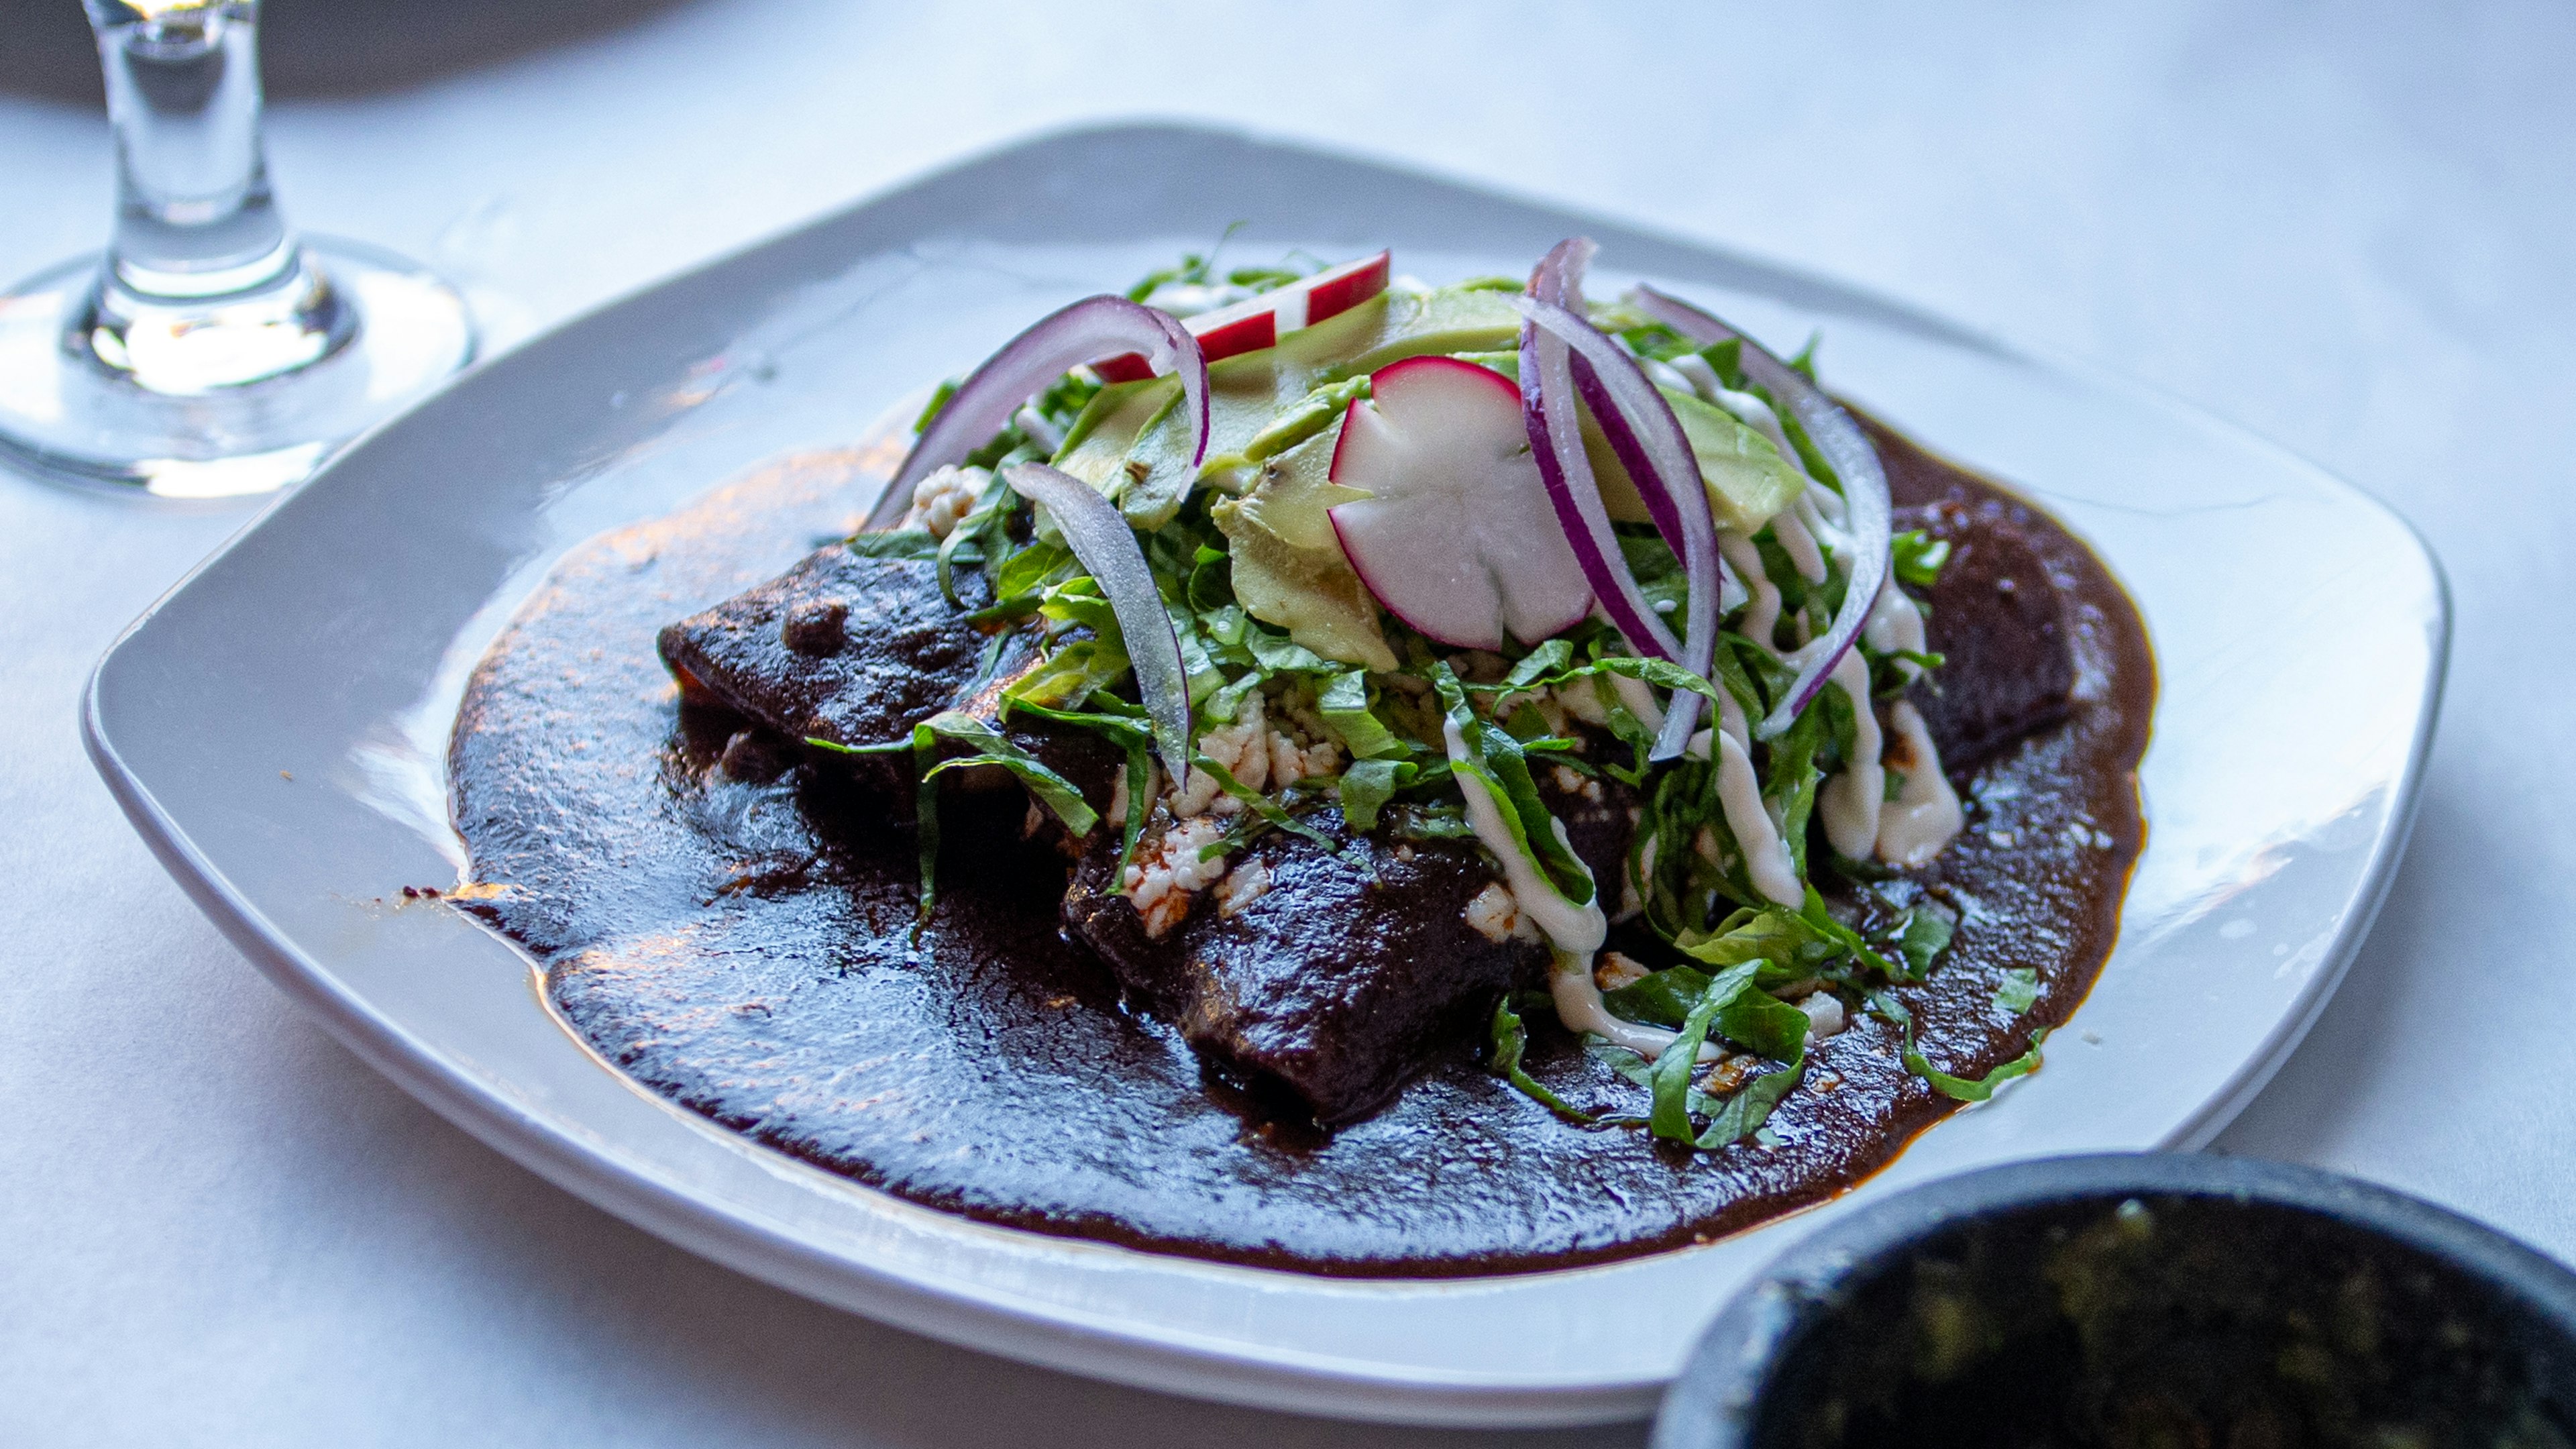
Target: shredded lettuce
1918	557
1131	734
1510	1040
1261	805
1922	935
918	544
1815	914
1070	676
1962	1089
979	530
1497	762
1279	655
1743	1112
1772	933
1052	790
1658	573
1344	704
1750	1017
2018	992
1367	785
987	746
1548	658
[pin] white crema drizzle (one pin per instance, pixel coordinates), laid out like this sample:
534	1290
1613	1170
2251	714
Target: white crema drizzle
1925	815
1577	929
1750	410
1739	799
1850	801
1762	616
1580	1007
1827	530
1895	626
1799	544
1860	821
1576	932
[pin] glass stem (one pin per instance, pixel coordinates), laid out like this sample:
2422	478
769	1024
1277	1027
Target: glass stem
194	218
212	352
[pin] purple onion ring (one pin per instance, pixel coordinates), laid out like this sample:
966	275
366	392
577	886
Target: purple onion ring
1868	512
1094	327
1649	440
1099	536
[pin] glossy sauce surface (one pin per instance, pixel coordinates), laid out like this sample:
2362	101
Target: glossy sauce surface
739	937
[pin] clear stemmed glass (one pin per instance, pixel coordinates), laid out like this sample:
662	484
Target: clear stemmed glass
212	351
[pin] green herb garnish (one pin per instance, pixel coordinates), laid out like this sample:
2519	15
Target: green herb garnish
1963	1089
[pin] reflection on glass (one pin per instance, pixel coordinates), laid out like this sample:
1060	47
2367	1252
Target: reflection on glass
212	351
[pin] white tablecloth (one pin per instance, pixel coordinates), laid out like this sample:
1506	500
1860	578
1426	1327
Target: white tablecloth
2349	228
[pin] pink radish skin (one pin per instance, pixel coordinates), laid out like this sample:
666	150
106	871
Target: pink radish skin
1457	538
1258	322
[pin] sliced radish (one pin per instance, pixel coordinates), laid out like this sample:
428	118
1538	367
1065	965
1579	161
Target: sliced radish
1126	367
1258	322
1457	537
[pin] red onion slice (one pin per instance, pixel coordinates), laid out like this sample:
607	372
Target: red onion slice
1558	277
1865	501
1028	364
1624	442
1649	440
1556	442
1099	536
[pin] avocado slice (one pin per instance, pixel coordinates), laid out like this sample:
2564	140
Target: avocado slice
1096	447
1748	480
1131	441
1289	568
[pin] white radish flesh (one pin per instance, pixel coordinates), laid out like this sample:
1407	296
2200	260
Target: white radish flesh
1457	537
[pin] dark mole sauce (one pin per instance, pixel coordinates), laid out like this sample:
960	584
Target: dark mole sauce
744	947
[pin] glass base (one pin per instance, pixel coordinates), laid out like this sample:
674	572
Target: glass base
67	414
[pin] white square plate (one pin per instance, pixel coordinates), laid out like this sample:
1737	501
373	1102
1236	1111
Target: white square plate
2299	629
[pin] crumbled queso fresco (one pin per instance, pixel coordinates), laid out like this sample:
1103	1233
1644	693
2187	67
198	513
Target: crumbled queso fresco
1495	914
1273	742
945	497
1168	868
1261	754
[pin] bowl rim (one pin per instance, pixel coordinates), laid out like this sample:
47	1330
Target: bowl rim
1711	1404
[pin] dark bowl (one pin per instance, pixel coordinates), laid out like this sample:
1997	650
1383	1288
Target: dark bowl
2177	1301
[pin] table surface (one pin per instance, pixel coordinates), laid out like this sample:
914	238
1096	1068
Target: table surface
2350	229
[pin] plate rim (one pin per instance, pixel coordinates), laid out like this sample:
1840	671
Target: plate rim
1058	1336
